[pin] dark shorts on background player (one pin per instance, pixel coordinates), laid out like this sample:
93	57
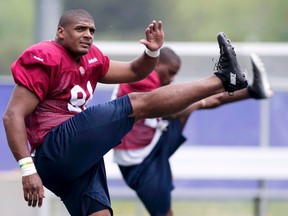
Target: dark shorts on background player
152	179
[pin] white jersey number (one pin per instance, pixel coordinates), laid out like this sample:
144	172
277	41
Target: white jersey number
78	104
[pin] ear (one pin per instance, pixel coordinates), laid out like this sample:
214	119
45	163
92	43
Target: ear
60	32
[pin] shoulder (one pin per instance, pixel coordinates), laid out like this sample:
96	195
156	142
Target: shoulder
97	60
46	47
95	51
46	53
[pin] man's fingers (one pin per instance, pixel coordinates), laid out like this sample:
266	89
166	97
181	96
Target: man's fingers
154	25
40	202
154	36
34	196
160	25
26	195
40	197
29	199
33	190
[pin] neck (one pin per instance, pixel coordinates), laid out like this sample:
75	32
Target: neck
76	58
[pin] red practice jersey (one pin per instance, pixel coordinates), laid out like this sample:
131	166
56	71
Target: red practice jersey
142	132
63	86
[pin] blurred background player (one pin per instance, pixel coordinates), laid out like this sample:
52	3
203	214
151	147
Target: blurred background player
143	155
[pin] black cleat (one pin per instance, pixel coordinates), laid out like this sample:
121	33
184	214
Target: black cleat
260	88
227	68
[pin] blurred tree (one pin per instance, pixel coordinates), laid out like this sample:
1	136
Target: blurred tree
189	20
116	20
16	30
242	20
184	20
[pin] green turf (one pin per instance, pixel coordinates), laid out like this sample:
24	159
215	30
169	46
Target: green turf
202	208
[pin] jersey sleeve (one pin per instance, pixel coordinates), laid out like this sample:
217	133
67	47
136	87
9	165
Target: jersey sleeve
33	70
105	61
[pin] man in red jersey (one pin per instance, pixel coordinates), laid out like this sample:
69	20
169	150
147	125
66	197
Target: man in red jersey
143	156
55	80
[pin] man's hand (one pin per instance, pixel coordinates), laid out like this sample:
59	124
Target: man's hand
154	36
33	190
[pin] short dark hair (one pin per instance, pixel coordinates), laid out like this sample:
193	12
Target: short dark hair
167	54
68	16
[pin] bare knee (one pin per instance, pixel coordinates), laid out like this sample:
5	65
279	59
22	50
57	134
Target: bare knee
169	213
104	212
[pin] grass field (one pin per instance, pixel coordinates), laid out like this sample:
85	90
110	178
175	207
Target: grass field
202	208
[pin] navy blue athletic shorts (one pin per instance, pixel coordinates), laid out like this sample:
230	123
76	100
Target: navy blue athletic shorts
152	179
70	160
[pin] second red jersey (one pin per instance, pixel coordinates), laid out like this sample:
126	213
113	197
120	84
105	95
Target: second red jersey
142	131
